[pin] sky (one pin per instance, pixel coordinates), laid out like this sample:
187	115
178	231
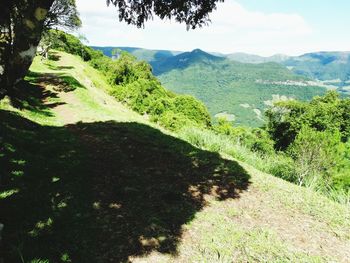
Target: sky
263	27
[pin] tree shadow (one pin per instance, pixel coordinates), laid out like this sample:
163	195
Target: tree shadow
103	191
63	67
32	94
54	56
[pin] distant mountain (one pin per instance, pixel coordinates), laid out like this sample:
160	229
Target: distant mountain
250	58
141	53
240	85
239	91
331	67
326	66
183	61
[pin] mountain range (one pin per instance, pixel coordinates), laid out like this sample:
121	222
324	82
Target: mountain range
240	86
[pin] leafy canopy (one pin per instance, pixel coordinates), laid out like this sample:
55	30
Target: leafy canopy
193	12
63	14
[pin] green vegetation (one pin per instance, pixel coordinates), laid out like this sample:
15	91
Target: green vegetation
322	125
228	86
322	65
132	83
141	54
304	143
100	183
316	136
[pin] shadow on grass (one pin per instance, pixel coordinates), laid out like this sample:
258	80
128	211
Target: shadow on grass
54	56
33	94
104	191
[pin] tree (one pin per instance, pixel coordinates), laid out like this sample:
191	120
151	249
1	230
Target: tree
317	153
21	24
325	113
63	14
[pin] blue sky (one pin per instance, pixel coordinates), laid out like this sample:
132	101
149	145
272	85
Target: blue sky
263	27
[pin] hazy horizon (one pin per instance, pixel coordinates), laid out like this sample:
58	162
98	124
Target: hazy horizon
257	27
213	52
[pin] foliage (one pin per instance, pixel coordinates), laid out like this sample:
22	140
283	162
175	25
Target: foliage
63	14
316	153
59	40
316	136
192	13
134	84
193	108
229	86
327	113
256	139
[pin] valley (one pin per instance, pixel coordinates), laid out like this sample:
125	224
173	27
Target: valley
224	84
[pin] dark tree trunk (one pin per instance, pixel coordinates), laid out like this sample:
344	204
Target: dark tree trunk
22	25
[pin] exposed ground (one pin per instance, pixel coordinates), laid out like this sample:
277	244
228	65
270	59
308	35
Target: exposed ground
87	180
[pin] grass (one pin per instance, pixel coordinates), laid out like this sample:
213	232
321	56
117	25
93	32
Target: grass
98	183
95	197
278	165
231	243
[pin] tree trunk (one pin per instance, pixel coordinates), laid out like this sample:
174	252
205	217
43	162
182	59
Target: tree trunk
21	34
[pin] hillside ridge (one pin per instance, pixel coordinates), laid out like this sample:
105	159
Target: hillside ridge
112	200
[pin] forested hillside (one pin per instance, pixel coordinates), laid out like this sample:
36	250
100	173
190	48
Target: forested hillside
242	91
141	53
332	68
239	91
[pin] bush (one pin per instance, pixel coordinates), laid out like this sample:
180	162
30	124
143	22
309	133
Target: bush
316	154
257	140
327	113
173	121
193	109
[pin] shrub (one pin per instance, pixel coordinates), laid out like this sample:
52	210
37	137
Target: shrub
193	109
258	140
173	121
316	153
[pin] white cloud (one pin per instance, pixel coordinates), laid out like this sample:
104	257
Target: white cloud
233	29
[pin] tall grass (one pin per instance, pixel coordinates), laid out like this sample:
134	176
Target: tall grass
277	164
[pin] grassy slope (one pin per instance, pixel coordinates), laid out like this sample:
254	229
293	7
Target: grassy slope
99	183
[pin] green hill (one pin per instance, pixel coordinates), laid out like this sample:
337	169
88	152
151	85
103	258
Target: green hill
141	53
333	68
326	66
85	179
239	91
227	87
329	70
